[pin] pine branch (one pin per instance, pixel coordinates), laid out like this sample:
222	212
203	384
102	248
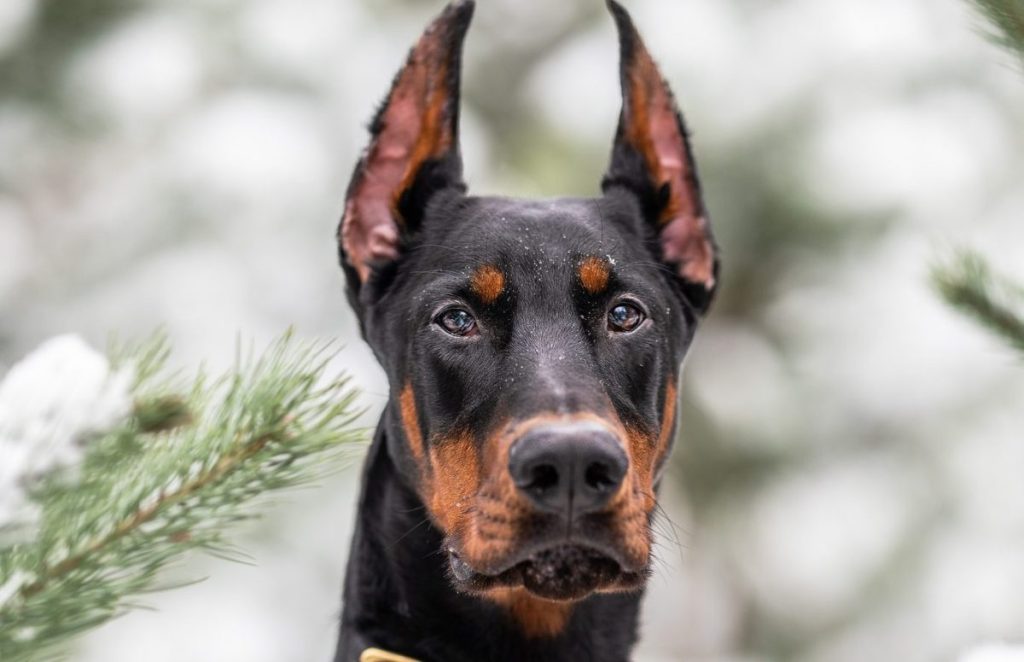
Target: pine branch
968	284
185	466
1007	20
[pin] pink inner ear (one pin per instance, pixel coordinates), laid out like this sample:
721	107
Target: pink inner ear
415	127
690	248
369	231
654	130
368	235
684	232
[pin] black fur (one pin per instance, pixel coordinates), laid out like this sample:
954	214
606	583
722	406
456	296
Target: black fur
397	595
543	346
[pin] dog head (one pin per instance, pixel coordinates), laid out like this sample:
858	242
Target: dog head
533	347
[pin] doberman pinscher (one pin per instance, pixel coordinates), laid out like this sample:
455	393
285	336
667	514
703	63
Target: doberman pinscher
533	350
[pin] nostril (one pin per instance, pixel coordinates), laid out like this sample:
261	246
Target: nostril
600	477
542	477
570	470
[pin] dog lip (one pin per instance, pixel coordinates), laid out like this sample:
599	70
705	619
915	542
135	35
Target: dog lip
464	572
524	556
563	571
603	550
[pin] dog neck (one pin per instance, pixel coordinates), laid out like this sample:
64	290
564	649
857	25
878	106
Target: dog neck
398	597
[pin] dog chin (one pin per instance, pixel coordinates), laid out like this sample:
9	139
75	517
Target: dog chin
566	572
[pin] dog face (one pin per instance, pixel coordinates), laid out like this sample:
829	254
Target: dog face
533	347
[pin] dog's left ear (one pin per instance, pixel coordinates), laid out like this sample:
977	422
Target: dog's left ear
413	151
652	158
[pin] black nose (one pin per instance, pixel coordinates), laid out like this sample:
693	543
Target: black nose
570	469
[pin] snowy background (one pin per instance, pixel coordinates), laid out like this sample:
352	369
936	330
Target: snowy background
848	485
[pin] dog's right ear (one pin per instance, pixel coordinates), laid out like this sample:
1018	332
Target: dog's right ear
413	150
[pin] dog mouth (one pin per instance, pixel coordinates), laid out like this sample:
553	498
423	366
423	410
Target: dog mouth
561	572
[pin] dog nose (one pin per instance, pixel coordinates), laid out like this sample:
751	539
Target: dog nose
568	469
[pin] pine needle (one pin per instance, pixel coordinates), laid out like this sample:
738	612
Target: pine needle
1007	20
170	480
968	284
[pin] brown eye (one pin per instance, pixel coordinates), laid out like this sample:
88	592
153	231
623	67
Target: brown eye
625	317
457	322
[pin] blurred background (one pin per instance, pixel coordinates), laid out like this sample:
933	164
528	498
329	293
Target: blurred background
848	482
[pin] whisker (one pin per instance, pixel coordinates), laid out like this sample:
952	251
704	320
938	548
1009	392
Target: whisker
405	535
673	530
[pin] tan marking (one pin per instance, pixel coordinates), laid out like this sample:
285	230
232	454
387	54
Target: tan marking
668	419
654	131
537	617
488	283
411	423
417	125
500	508
646	450
500	513
594	273
652	128
456	477
435	135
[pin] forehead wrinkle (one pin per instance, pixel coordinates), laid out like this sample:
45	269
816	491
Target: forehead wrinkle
435	285
537	244
505	220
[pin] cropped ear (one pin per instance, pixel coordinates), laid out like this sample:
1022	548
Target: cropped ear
652	158
413	150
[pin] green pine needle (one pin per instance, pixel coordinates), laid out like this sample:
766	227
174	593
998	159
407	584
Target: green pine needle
1007	20
170	480
968	284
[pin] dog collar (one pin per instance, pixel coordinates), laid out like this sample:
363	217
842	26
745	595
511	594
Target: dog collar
380	655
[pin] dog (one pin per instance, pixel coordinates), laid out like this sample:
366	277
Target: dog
533	350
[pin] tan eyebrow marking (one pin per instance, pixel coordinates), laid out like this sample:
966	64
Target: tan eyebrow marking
488	283
594	273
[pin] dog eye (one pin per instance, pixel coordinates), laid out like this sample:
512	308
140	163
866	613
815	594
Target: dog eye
457	322
625	317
